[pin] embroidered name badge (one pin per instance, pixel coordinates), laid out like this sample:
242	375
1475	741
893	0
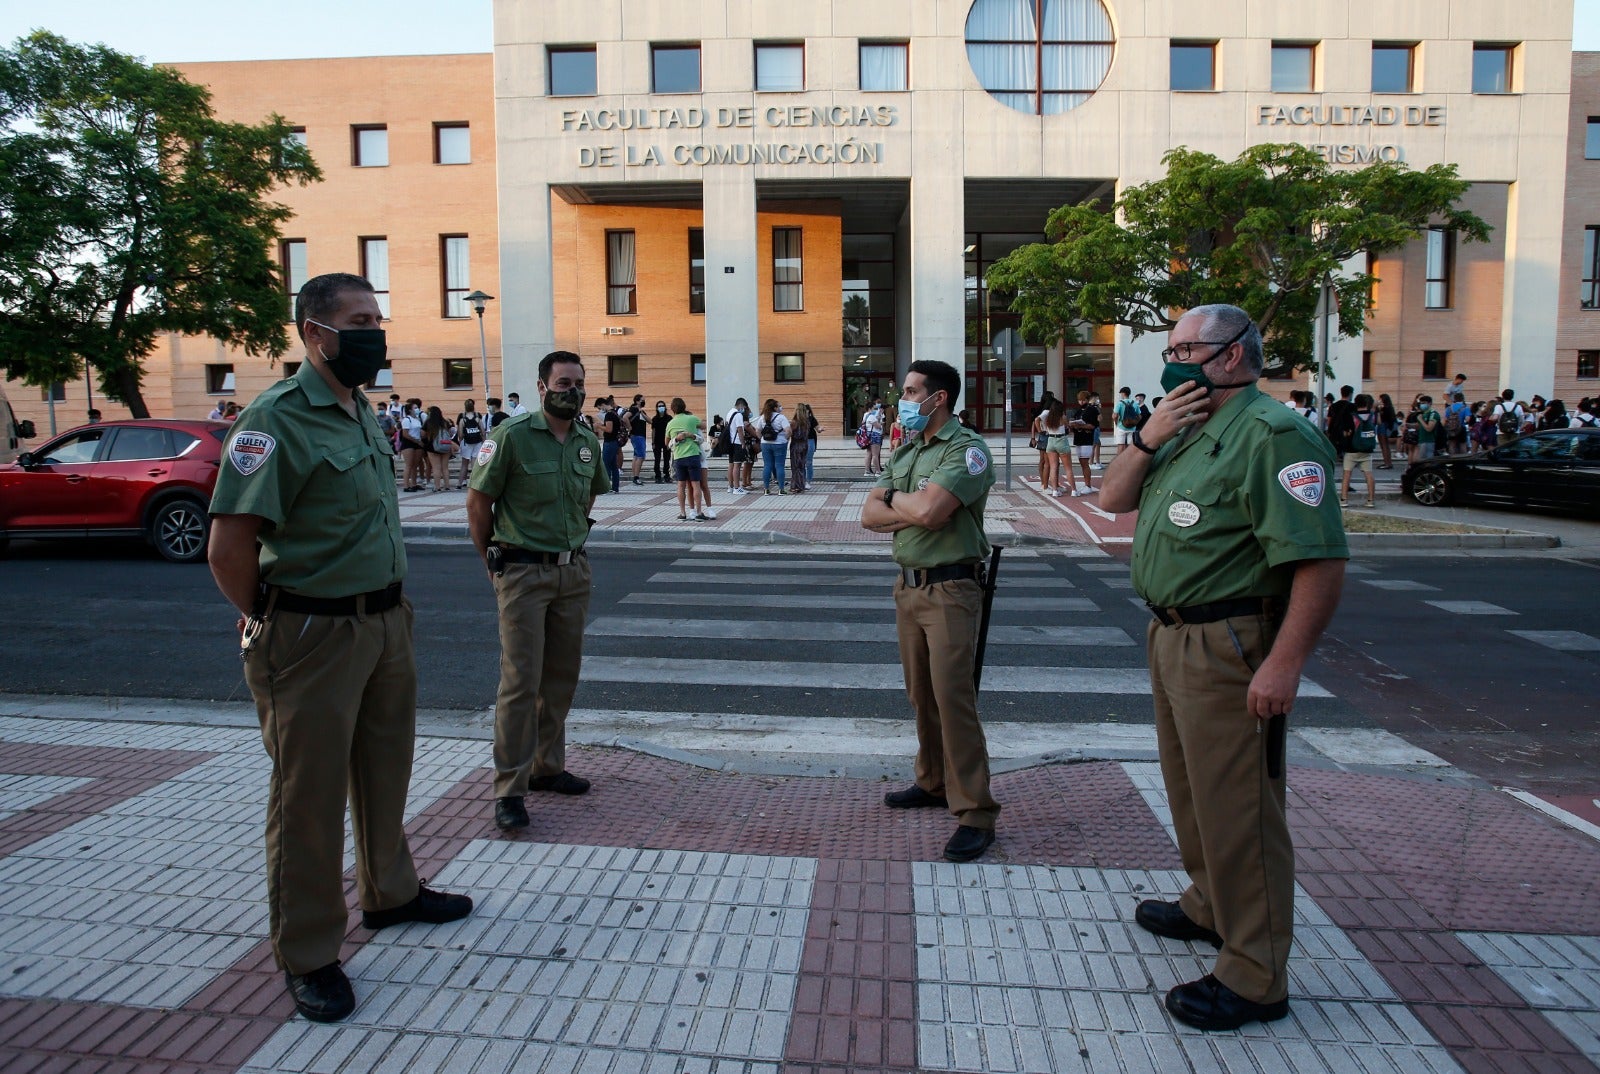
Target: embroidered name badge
1183	514
485	452
1304	481
585	454
977	461
249	450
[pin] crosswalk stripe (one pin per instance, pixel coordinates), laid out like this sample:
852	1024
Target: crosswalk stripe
1006	678
801	600
611	626
730	578
884	565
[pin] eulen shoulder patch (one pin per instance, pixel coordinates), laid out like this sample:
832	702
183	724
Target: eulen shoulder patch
249	450
1304	481
977	461
485	452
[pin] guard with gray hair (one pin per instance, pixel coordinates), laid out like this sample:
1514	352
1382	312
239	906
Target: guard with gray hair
1239	552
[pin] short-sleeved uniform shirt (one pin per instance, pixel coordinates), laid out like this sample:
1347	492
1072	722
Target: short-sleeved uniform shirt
541	487
324	482
688	447
958	461
1228	509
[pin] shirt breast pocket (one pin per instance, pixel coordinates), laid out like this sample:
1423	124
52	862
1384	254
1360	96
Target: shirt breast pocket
1193	513
542	478
356	469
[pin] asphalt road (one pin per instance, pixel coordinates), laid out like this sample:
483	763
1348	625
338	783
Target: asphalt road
111	619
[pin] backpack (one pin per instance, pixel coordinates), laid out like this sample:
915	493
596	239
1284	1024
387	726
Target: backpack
619	427
1130	414
1508	424
1452	422
769	429
1365	438
1483	433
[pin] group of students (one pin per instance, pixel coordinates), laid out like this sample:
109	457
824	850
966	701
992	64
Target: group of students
427	441
1062	434
787	447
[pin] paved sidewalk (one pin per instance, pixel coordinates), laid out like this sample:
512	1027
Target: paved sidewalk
680	918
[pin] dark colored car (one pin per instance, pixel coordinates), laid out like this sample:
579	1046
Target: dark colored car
1553	470
151	478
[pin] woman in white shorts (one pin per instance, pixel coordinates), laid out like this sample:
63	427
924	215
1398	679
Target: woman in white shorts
1363	441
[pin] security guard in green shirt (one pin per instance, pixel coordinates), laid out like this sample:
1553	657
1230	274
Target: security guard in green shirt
931	497
1239	552
528	513
308	478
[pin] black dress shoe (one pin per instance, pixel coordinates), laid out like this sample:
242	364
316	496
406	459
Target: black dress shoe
560	783
1211	1005
429	907
914	797
1168	919
322	995
968	843
510	813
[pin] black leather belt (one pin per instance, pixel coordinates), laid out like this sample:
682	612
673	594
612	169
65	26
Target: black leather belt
379	600
512	554
1216	611
916	579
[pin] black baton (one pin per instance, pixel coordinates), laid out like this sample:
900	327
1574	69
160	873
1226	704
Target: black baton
983	623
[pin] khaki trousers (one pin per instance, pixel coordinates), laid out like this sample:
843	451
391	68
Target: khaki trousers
542	612
337	700
1229	815
938	629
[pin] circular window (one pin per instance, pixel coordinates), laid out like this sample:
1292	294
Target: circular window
1041	57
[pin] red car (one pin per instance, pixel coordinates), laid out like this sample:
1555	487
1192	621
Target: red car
151	478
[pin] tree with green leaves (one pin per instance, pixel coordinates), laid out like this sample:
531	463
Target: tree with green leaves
127	210
1261	232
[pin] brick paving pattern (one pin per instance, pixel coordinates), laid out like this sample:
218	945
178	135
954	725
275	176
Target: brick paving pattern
678	919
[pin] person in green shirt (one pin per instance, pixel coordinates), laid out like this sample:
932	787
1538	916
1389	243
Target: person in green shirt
1239	551
308	478
931	497
683	437
528	515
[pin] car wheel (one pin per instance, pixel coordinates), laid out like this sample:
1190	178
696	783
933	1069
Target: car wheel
1431	489
179	529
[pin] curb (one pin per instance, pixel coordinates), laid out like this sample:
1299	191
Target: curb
675	536
1371	541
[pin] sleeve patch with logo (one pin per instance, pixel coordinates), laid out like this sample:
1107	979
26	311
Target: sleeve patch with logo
977	461
1304	481
249	450
485	452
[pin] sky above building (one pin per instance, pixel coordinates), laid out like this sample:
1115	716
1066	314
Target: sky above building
188	30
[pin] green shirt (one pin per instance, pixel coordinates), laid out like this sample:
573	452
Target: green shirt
542	488
958	461
688	447
1228	509
324	482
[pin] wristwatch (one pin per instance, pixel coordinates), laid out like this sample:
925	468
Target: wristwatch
888	496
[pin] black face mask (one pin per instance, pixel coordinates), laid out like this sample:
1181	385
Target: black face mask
361	354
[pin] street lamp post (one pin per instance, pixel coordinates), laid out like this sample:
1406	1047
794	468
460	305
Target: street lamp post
480	300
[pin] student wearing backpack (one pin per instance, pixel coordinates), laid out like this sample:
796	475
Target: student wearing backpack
1457	420
1427	429
775	446
607	423
1508	415
1125	417
470	431
1363	441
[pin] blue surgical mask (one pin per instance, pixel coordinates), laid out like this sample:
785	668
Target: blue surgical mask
912	419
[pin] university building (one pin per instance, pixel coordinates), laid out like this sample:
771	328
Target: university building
795	200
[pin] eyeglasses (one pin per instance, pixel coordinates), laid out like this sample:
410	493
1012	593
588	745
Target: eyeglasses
1185	351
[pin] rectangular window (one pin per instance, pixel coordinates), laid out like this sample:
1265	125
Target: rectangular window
1294	68
1366	365
452	143
1589	292
697	270
383	378
219	379
675	68
457	373
1491	68
572	72
621	293
885	67
455	261
375	267
55	392
369	146
292	264
298	135
622	370
1393	68
788	368
1441	263
1591	139
1192	66
780	68
290	369
697	369
1589	364
787	271
1433	364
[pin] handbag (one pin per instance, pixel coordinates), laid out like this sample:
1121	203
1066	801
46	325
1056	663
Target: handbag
863	438
446	446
